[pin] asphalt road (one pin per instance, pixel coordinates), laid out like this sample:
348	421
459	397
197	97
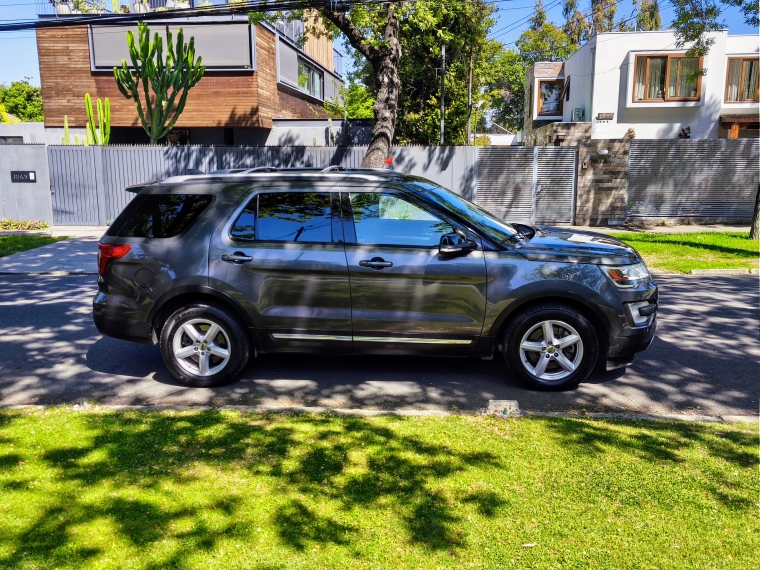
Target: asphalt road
703	360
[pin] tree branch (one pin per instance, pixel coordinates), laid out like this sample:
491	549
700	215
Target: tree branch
355	36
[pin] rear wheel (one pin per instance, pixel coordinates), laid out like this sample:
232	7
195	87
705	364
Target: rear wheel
203	345
550	346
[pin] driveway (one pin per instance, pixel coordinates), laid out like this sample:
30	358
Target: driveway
704	359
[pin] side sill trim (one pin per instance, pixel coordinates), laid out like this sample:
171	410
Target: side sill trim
282	336
411	340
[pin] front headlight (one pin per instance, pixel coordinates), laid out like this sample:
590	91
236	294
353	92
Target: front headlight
627	275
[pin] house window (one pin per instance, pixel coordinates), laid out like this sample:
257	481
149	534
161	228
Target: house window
309	79
742	80
550	98
667	78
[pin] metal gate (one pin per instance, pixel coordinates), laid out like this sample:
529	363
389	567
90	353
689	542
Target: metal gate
72	185
528	184
697	179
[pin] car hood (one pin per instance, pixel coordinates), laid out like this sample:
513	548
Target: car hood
571	246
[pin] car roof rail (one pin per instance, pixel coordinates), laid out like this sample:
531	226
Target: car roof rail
334	168
263	169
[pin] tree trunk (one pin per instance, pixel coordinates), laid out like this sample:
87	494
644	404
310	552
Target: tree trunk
754	231
384	61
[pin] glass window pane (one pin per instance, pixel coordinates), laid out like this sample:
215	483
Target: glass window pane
245	226
294	216
749	85
734	79
683	78
158	215
303	76
385	219
550	97
317	84
656	79
640	80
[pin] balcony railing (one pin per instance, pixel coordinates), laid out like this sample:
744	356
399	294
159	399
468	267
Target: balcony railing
77	7
338	62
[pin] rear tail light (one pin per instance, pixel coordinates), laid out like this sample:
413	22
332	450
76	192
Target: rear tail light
107	252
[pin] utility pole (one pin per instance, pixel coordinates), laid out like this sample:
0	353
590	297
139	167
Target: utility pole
469	101
443	84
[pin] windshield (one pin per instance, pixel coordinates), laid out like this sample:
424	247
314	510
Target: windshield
496	229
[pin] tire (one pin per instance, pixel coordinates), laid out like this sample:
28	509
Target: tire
561	364
205	364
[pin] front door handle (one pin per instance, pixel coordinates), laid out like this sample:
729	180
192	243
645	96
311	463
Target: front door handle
376	263
237	257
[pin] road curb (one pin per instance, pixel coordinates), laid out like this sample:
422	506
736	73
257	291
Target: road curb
359	412
720	272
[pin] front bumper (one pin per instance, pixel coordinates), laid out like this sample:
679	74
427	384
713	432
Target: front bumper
638	339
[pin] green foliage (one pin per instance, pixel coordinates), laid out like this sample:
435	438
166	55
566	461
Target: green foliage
695	19
16	244
699	250
5	117
548	43
22	100
504	88
224	490
649	17
101	134
357	102
14	224
483	140
166	81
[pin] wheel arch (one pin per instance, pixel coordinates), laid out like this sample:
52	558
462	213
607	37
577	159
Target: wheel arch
177	298
591	311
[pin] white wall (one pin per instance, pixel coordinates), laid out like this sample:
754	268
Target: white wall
36	133
579	70
613	85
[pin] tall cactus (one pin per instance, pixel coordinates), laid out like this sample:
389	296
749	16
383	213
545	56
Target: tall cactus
66	138
170	78
101	134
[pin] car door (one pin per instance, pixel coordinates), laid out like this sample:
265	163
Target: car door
407	297
281	256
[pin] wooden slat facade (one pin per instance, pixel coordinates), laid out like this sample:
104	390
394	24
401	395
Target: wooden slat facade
221	99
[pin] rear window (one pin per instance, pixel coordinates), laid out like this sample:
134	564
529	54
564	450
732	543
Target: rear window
158	215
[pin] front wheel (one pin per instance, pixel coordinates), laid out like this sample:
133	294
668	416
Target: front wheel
550	346
203	345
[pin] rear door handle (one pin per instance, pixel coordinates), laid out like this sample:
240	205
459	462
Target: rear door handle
237	257
377	263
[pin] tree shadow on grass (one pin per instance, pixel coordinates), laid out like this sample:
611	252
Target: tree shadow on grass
666	442
141	461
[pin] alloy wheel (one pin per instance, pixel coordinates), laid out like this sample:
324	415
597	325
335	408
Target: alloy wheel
201	347
551	350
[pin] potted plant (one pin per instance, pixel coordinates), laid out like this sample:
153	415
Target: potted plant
61	6
124	9
141	7
169	4
180	5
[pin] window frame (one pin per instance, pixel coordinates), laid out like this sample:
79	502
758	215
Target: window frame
539	114
314	75
665	98
744	60
336	230
350	227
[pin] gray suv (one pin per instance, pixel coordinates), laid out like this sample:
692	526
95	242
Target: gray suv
217	267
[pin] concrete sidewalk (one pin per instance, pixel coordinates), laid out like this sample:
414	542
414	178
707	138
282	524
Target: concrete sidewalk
73	256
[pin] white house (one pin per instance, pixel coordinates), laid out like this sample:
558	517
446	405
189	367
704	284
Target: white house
638	84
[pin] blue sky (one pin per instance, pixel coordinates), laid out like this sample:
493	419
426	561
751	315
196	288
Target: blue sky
18	50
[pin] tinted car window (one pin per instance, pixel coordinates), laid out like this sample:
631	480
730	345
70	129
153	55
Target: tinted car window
493	227
158	215
245	226
294	216
387	219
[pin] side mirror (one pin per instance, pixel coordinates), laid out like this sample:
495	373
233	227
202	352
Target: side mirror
455	243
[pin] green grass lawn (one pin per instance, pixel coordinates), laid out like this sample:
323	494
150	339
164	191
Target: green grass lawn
684	252
153	490
13	244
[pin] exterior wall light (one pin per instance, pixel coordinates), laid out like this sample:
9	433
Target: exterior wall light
603	151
